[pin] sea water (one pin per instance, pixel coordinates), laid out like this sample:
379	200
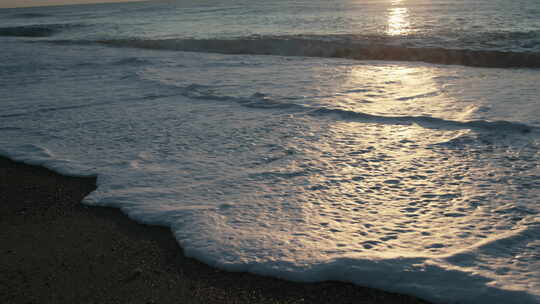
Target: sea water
392	144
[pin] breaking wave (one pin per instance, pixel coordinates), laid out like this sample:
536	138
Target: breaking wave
337	48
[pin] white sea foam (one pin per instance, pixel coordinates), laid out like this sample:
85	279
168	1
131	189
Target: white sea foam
409	177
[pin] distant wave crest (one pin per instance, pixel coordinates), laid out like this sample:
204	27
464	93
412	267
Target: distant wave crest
310	47
37	30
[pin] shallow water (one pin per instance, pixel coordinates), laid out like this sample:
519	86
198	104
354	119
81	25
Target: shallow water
406	176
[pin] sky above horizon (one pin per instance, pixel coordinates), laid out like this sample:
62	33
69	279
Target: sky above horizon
30	3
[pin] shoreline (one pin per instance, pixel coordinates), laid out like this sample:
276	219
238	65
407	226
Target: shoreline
57	250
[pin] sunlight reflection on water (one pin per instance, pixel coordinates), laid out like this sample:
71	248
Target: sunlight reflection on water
398	19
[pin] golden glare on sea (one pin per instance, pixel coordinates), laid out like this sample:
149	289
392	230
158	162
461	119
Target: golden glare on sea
398	19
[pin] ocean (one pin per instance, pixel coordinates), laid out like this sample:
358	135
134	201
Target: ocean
391	144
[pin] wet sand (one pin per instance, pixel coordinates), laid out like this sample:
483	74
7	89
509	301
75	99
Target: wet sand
56	250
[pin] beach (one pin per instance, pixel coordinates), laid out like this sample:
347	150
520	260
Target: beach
56	250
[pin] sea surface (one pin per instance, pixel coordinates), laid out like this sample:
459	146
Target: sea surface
392	144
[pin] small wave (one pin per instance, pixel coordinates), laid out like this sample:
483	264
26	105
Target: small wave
45	110
27	31
429	94
30	15
256	100
131	61
430	122
263	101
37	30
312	47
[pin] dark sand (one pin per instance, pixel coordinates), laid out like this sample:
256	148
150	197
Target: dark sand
56	250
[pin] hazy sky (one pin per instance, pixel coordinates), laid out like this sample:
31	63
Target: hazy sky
26	3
